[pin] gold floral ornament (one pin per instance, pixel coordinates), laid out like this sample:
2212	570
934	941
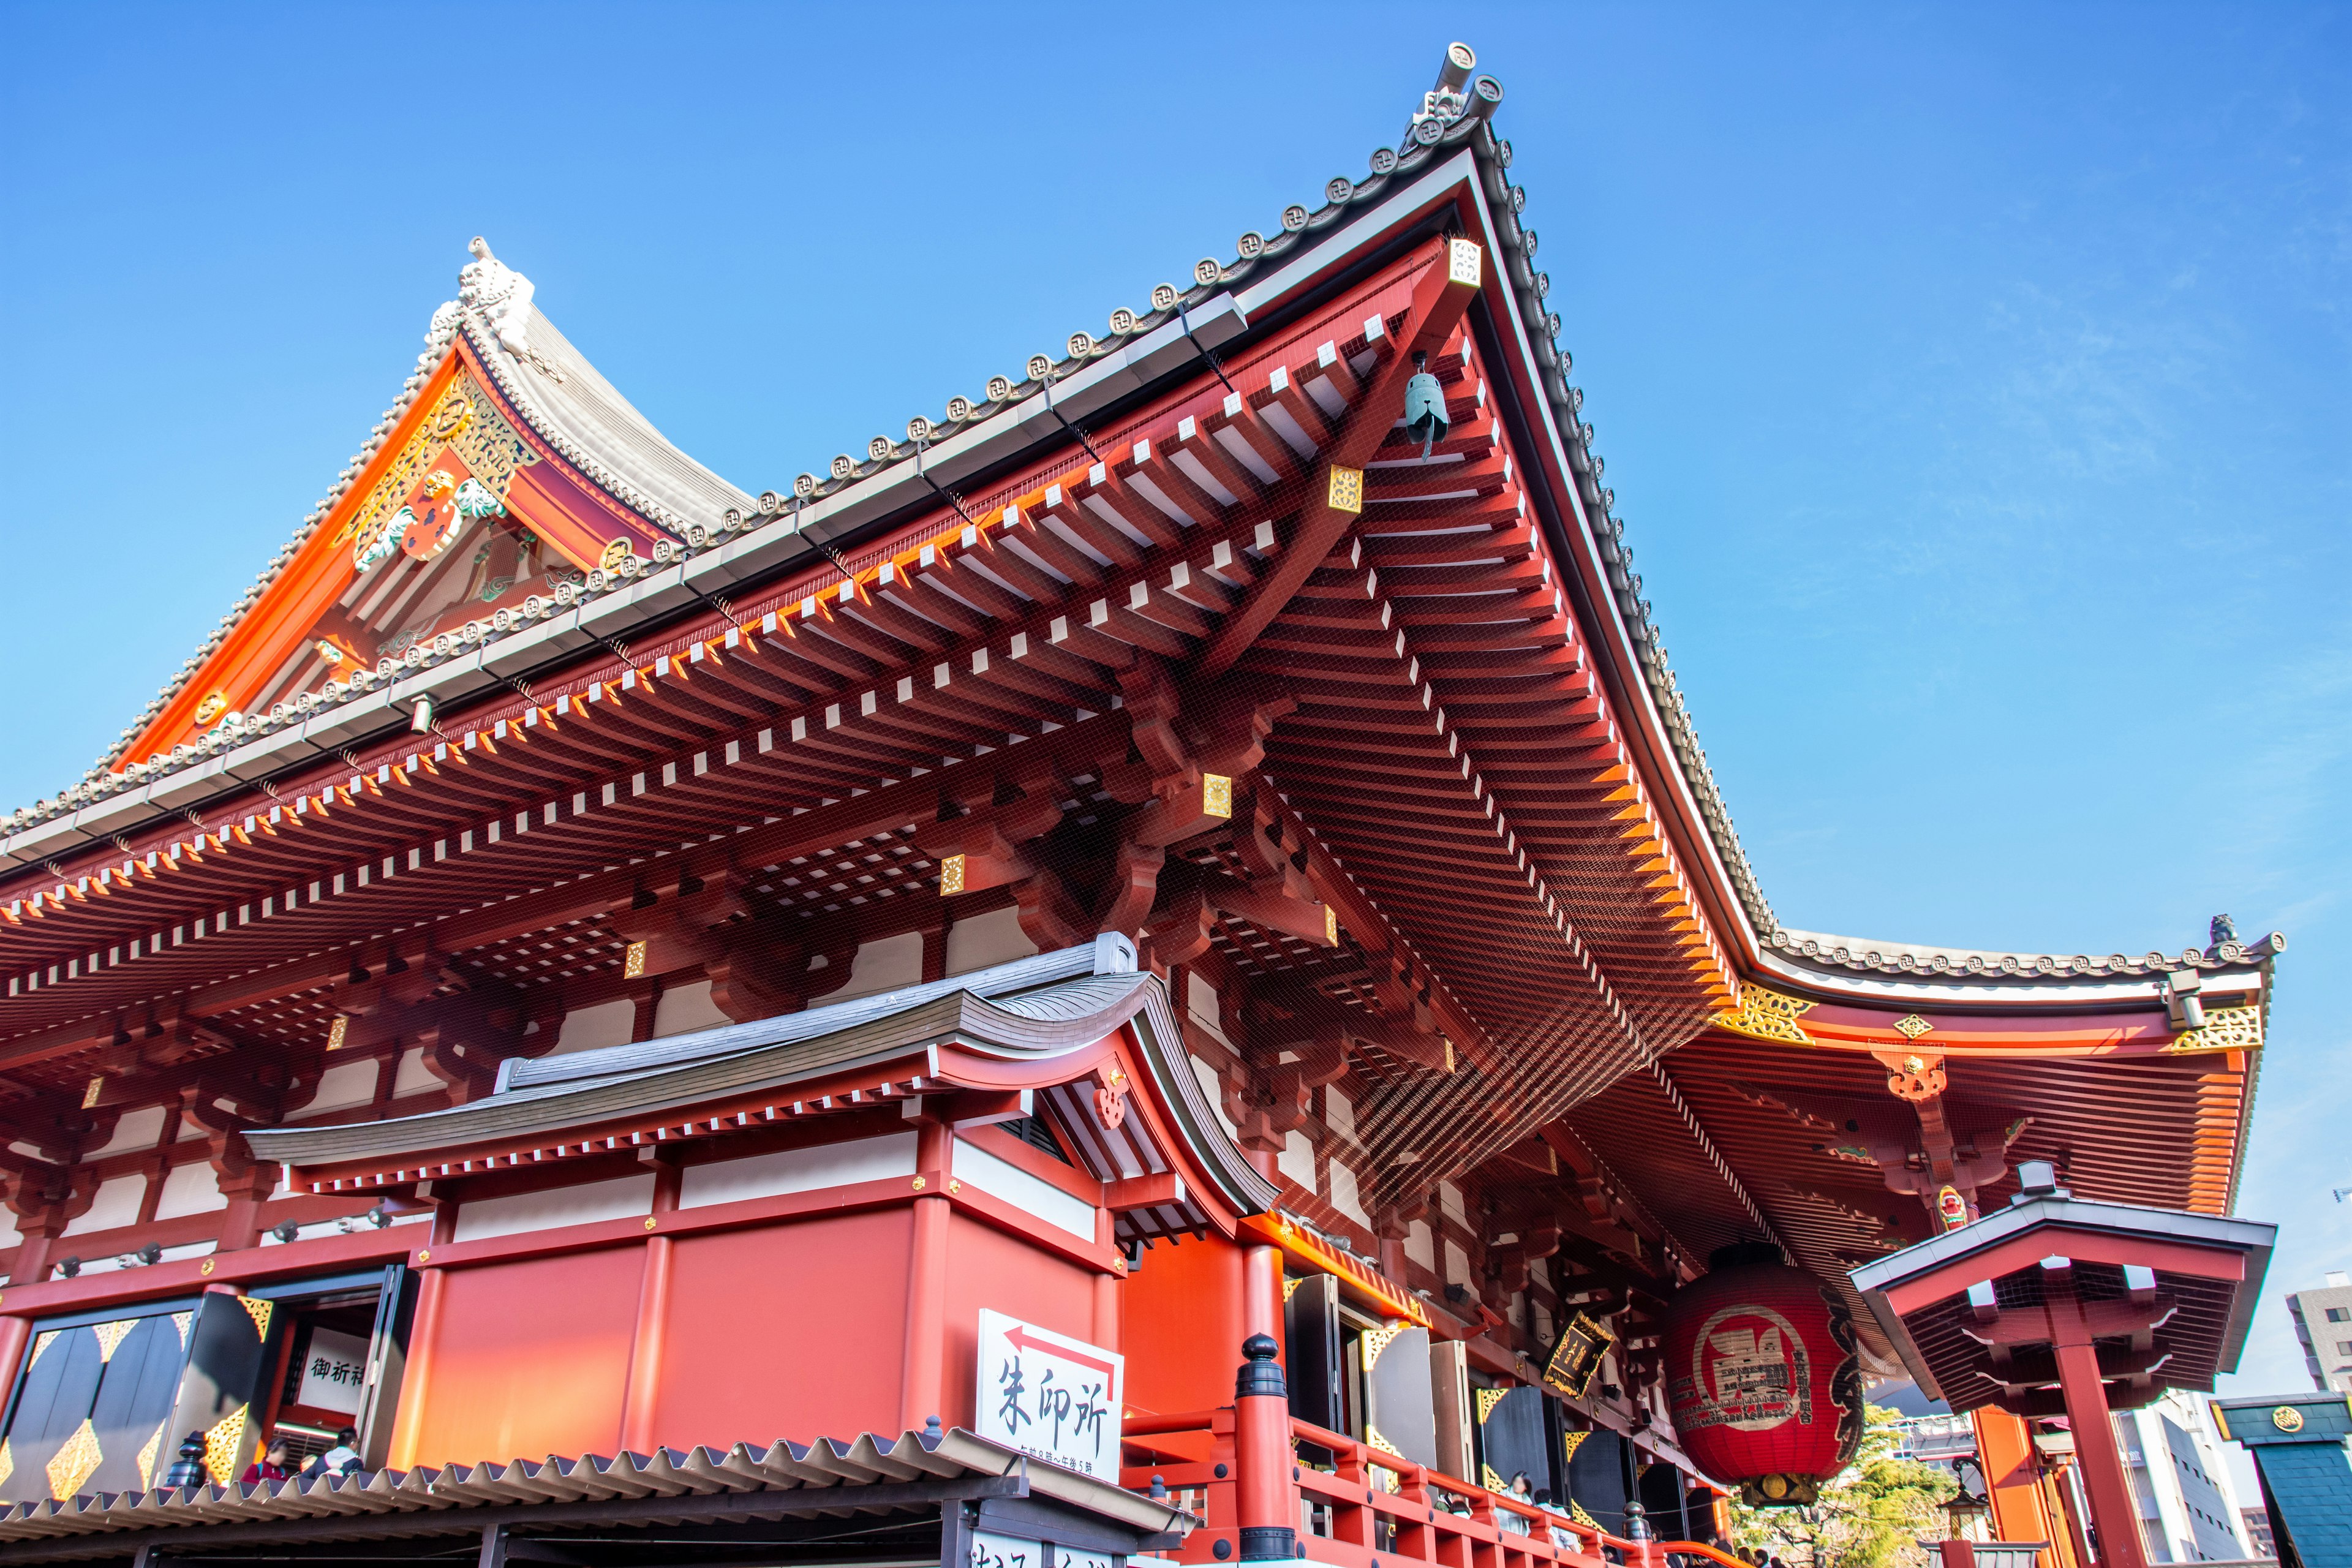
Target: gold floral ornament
7	1461
615	553
112	1335
2226	1029
1766	1016
258	1310
1346	490
223	1444
214	704
439	483
1375	1341
147	1455
1487	1399
74	1462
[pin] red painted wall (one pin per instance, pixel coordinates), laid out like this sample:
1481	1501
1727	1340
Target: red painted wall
792	1330
1181	1324
530	1358
986	1268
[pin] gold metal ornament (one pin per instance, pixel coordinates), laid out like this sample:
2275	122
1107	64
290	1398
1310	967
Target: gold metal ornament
1766	1016
1346	491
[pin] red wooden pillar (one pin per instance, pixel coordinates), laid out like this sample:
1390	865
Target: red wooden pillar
643	1390
925	1364
2104	1481
1262	1293
416	1377
1265	1499
15	1335
2013	1483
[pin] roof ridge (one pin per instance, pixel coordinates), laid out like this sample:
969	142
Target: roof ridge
1865	955
1453	114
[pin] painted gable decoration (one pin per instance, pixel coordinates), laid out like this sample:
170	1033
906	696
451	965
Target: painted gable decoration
453	469
508	480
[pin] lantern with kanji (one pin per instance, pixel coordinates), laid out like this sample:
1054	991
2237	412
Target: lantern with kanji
1762	1376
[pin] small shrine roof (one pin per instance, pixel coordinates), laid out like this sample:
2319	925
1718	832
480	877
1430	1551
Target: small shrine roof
2212	1266
1037	1008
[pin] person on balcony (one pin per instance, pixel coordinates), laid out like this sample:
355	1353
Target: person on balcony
270	1466
340	1460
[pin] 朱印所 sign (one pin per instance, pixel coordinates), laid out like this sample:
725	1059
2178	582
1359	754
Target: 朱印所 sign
1050	1396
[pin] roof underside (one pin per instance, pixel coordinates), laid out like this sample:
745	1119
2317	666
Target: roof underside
1472	669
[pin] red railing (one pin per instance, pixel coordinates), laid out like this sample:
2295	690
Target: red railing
1368	1504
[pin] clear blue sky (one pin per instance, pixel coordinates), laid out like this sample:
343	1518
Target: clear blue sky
1973	378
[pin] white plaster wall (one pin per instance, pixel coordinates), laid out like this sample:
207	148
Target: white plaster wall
685	1009
1296	1160
1339	1114
1421	1244
805	1170
342	1087
882	965
191	1188
1344	1197
583	1205
116	1204
592	1028
1033	1195
139	1129
987	940
413	1076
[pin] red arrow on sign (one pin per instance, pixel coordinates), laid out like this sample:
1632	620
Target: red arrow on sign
1019	1338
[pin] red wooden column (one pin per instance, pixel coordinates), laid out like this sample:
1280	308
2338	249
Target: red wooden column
2014	1484
1262	1293
644	1391
416	1378
15	1335
925	1365
2113	1507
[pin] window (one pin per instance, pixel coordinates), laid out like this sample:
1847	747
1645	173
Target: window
2344	1347
2339	1314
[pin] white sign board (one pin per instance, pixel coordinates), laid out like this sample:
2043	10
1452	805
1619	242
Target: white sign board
993	1551
1050	1396
334	1369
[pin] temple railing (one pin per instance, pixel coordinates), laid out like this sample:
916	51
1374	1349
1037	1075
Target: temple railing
1370	1503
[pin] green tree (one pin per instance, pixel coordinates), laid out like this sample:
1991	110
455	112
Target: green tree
1872	1514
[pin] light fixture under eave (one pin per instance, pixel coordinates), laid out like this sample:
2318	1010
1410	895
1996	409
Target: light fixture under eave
420	717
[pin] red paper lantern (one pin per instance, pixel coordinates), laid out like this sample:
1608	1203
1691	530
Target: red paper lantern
1762	1379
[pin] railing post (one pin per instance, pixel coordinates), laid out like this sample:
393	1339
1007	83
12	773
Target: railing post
1638	1535
1266	1500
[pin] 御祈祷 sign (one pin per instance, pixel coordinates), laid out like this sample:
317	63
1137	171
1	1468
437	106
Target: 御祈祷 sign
992	1551
334	1370
1049	1396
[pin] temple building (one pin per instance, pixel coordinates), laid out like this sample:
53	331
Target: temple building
1148	964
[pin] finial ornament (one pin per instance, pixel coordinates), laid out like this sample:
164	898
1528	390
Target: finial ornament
500	295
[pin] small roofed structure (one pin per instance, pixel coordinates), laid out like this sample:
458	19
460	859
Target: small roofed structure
2057	1305
850	1160
835	1502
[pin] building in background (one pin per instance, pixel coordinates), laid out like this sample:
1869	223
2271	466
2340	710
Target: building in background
2189	1506
2256	1522
2323	1321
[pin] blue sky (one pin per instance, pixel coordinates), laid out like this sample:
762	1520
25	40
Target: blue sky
1973	379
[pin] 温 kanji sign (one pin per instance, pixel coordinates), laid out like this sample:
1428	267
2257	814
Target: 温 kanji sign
1050	1396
